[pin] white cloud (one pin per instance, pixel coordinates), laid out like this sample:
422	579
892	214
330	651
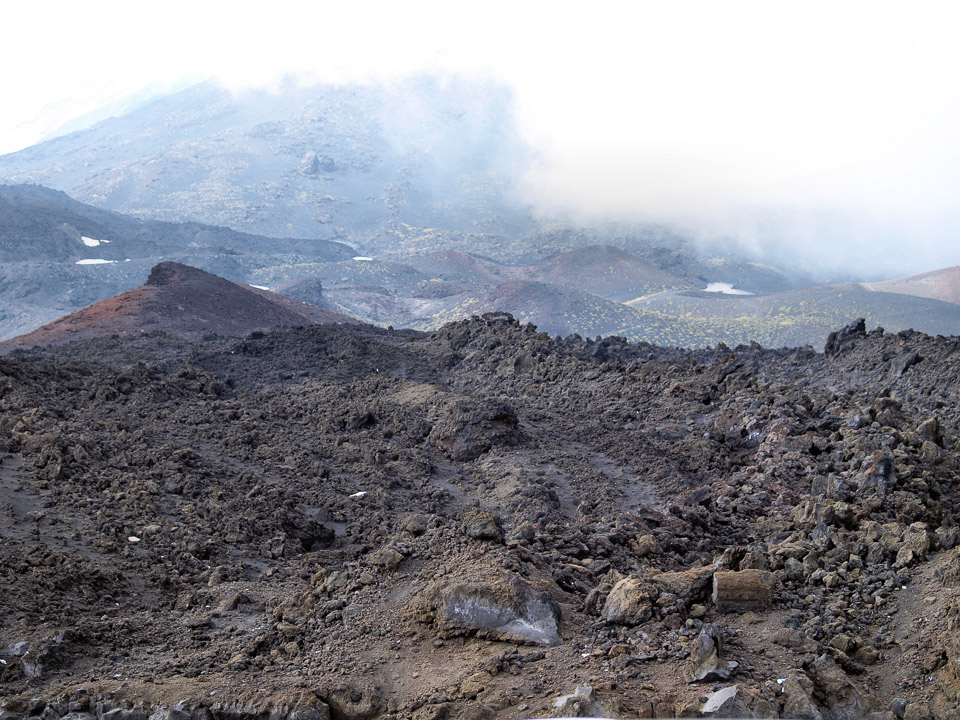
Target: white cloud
692	110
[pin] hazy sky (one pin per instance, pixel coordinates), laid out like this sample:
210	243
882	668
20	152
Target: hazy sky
774	122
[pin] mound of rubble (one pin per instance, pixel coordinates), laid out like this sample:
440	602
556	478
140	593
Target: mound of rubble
483	522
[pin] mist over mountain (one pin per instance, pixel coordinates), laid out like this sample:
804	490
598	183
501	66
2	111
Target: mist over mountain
59	256
317	162
386	166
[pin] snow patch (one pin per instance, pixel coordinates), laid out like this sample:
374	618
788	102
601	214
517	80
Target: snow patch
91	242
363	258
725	288
358	494
95	261
260	287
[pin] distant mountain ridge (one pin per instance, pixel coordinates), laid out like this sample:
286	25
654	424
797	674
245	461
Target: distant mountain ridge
42	224
58	255
602	289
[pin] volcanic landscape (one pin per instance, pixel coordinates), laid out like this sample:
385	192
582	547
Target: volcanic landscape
314	405
485	521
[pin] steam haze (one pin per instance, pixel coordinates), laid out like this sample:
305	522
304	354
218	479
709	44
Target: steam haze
819	134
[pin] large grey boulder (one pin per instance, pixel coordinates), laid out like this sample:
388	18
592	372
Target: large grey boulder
501	608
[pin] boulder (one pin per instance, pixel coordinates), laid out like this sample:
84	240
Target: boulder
630	602
834	692
929	430
577	704
743	590
524	532
725	703
646	544
688	585
469	428
349	702
916	544
502	608
482	525
388	558
797	697
309	164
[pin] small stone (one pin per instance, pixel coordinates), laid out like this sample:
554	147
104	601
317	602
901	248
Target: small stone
475	684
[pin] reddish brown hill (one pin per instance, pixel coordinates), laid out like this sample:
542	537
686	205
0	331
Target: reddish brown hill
606	271
182	301
943	284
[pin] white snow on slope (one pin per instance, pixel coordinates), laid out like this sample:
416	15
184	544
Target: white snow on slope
726	289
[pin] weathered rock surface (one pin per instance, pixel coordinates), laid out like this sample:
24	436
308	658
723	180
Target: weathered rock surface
503	608
705	661
285	517
630	602
743	590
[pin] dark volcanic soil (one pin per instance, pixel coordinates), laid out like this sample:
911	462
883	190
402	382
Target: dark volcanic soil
356	523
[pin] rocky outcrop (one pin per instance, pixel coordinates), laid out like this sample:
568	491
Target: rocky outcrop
279	514
467	429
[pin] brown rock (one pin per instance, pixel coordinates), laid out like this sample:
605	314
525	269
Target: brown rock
686	584
645	545
388	558
739	591
482	525
630	602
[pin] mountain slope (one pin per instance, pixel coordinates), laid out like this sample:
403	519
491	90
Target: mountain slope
349	522
181	301
58	255
40	224
942	284
310	162
553	309
606	271
456	266
805	317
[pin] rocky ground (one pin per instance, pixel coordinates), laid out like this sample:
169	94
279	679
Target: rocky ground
481	522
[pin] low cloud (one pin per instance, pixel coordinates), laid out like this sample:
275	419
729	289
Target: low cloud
816	134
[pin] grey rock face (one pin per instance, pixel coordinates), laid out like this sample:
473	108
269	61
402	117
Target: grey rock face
505	608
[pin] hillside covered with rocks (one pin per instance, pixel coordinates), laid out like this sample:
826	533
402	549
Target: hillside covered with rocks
481	522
